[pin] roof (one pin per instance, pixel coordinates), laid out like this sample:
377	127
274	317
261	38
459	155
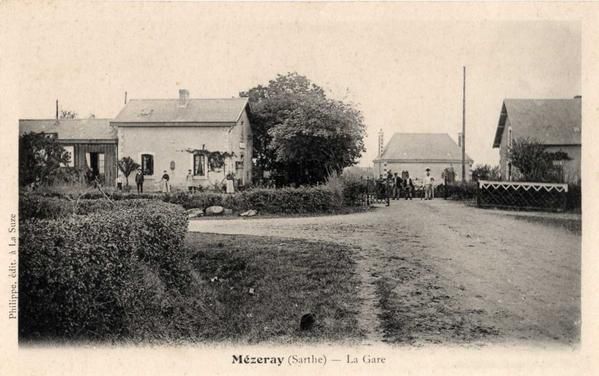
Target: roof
195	111
549	121
71	129
422	147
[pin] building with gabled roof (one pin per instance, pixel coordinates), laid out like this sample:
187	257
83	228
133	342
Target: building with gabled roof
210	137
555	123
182	134
415	152
91	143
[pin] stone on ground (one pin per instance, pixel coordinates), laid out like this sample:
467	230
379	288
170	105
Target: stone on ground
194	213
214	210
249	213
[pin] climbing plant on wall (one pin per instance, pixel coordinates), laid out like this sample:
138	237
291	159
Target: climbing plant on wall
216	159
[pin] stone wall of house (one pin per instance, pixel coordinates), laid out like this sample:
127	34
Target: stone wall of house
240	142
571	168
170	143
504	152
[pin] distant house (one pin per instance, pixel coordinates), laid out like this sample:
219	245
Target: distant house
210	137
414	152
556	123
92	143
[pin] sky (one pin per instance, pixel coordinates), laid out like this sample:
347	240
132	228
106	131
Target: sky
405	75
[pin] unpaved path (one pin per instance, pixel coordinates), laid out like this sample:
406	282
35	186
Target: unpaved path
441	272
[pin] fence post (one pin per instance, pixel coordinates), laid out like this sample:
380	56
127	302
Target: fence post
367	192
478	193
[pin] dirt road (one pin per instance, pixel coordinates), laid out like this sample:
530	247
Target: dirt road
441	272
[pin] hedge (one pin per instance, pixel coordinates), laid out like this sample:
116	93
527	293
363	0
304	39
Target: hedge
283	200
106	274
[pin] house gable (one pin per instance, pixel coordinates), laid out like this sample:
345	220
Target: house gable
549	121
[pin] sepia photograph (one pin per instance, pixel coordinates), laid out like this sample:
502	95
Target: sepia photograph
246	176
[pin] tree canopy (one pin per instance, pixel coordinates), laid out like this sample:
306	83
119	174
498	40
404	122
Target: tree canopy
534	162
42	160
486	172
127	165
300	135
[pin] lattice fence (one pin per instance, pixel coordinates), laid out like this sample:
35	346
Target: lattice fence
522	195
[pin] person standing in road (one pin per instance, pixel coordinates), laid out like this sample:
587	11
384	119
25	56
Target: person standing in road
397	186
139	180
428	185
408	186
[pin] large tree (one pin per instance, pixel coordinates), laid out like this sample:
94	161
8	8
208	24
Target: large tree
42	160
299	134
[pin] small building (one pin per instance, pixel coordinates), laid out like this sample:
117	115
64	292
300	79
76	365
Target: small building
415	152
210	137
92	143
555	123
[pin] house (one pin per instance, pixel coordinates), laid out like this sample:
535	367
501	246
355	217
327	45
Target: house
210	137
92	143
555	123
415	152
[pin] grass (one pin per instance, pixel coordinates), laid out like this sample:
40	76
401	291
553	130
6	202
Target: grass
287	278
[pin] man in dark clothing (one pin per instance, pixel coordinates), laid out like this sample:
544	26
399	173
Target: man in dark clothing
408	187
397	186
139	180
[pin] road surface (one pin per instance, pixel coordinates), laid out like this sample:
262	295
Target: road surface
442	272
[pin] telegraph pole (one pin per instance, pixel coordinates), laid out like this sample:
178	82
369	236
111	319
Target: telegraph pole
464	128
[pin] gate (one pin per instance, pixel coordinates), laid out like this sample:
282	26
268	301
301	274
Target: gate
376	191
522	195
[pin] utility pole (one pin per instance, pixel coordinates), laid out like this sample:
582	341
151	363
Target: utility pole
464	128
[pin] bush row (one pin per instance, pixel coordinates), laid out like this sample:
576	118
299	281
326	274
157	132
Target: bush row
105	274
457	191
283	200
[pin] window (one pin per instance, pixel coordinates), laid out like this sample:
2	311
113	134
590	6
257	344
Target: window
71	152
199	165
147	164
509	137
101	163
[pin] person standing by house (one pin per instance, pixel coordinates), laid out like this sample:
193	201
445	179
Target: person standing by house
164	185
119	182
139	180
428	185
189	181
230	187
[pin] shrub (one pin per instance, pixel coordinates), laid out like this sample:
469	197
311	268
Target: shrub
458	191
574	197
100	275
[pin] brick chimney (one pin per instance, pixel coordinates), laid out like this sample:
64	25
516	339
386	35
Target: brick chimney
183	97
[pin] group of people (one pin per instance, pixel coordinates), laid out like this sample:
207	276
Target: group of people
404	186
139	181
165	185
